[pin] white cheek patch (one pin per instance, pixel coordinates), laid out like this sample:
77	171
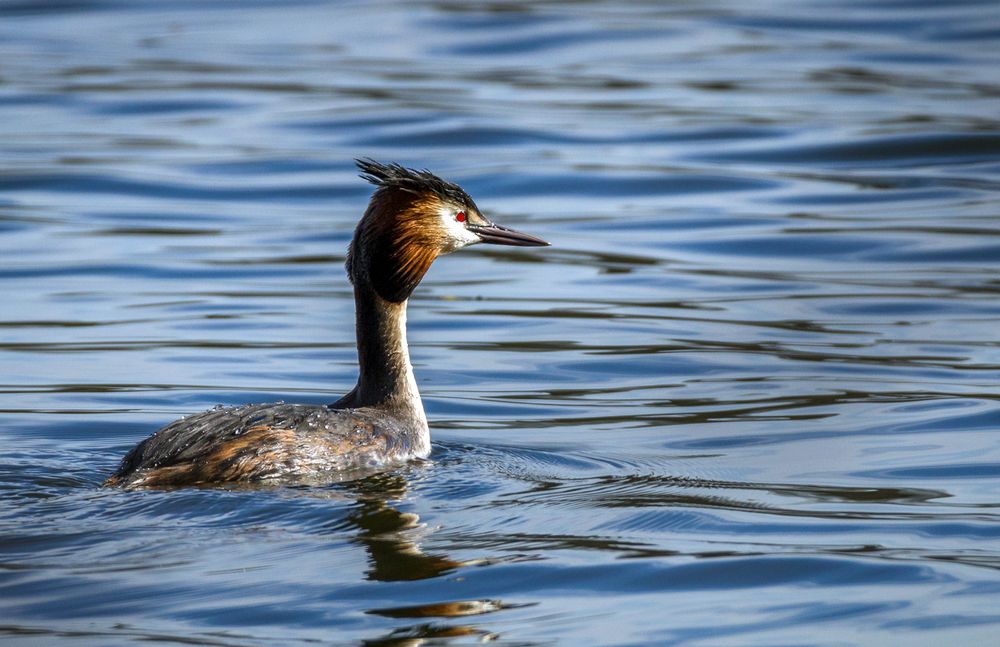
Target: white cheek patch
455	233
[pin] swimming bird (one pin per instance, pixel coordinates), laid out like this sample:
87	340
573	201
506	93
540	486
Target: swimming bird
412	218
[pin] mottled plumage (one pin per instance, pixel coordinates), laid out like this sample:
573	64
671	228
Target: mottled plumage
257	442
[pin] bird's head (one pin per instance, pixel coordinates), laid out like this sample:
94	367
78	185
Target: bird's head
414	217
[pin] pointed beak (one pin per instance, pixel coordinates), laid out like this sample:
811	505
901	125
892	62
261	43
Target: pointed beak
497	235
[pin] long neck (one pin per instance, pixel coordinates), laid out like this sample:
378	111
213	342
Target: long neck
386	375
385	261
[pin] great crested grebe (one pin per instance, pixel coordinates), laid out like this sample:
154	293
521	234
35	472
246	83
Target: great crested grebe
413	217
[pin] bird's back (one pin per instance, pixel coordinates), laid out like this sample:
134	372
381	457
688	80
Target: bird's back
264	442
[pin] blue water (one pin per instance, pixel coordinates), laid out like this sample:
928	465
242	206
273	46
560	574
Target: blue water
750	396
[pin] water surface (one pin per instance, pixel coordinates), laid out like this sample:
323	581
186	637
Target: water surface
749	396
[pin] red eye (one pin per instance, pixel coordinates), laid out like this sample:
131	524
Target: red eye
460	216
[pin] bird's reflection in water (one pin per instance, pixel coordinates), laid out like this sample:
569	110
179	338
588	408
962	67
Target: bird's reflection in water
390	537
420	635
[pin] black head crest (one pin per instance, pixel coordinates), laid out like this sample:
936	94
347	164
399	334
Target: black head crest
422	182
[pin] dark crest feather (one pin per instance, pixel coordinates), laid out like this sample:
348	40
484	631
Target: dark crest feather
418	182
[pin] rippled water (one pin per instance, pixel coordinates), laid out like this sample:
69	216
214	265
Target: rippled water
750	395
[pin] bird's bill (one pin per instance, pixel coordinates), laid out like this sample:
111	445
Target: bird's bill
498	235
